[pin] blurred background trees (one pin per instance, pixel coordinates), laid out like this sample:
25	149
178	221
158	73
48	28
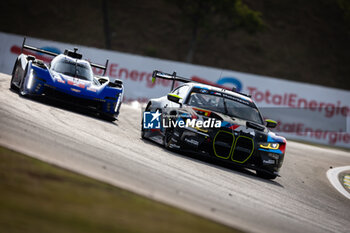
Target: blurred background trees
345	6
306	41
215	18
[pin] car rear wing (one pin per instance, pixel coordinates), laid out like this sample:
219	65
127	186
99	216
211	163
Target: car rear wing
70	53
174	78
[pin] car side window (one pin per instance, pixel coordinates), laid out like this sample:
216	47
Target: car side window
181	91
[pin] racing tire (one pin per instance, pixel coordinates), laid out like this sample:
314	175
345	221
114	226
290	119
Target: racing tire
142	130
14	74
266	175
22	91
109	117
168	137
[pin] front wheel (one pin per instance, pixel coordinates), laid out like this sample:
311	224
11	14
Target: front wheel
142	130
15	73
22	89
266	175
167	138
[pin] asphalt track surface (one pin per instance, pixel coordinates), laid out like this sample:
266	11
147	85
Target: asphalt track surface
301	200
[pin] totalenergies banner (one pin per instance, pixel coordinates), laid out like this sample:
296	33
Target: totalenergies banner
304	112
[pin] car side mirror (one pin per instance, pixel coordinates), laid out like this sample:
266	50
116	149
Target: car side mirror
270	123
118	83
30	58
174	98
102	80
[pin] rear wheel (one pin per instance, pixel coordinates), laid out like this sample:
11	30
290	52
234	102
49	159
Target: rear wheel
266	175
168	135
22	90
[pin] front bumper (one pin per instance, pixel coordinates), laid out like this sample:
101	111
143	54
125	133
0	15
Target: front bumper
238	148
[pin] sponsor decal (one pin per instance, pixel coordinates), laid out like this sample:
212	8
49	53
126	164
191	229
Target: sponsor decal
270	161
174	146
240	100
81	85
202	111
192	141
59	78
100	100
72	83
50	86
91	89
75	90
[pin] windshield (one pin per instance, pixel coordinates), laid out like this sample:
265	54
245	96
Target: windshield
73	69
226	104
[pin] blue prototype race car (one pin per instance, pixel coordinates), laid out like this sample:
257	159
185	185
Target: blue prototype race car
67	78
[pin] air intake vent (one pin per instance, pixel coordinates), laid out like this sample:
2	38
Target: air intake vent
243	149
223	143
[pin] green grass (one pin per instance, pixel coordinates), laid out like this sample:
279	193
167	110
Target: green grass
39	197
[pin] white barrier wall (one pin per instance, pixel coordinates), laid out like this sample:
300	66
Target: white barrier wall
304	111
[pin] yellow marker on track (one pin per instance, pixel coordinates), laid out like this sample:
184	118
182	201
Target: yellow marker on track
346	181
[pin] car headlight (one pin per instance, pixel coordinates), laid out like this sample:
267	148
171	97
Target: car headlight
270	145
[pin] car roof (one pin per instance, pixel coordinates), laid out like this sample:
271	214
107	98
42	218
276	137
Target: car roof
218	89
79	61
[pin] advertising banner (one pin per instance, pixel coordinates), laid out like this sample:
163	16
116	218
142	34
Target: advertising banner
304	112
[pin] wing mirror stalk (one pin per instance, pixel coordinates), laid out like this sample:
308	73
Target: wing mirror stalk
175	98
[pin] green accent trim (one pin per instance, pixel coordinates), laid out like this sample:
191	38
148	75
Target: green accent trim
235	148
153	79
272	121
233	140
171	94
268	145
